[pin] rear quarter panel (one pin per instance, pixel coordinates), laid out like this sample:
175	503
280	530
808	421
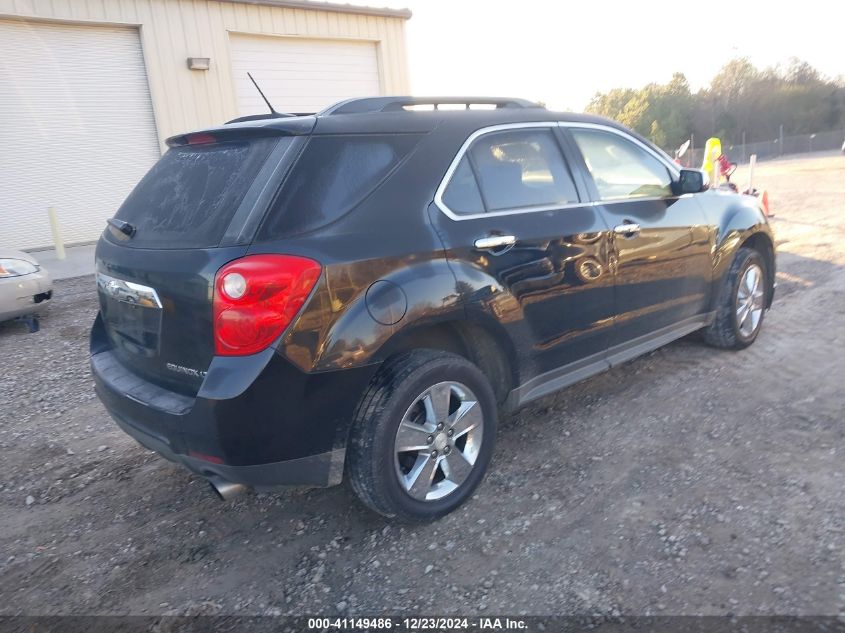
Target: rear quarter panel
345	325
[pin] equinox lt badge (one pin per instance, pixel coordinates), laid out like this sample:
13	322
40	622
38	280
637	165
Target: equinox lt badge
188	371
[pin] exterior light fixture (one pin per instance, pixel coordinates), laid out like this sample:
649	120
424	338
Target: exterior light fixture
199	63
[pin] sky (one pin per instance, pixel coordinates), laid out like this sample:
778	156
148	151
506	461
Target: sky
562	52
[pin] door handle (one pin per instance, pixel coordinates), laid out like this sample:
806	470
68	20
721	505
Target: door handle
495	242
627	228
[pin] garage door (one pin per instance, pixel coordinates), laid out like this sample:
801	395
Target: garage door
301	75
76	128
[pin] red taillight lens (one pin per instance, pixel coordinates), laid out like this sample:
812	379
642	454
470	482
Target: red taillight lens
258	300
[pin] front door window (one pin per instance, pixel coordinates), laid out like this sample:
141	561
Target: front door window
620	168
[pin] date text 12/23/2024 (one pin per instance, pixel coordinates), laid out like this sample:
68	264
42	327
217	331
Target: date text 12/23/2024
416	624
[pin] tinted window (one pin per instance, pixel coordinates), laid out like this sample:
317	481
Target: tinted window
620	168
333	175
521	168
462	195
189	196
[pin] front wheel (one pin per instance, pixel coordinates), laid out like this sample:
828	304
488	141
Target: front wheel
423	436
742	302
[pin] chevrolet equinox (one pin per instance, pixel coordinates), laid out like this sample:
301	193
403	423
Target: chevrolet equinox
362	292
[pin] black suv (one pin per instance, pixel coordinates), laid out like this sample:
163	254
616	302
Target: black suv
286	299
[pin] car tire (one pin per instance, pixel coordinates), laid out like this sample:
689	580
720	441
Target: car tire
442	408
741	308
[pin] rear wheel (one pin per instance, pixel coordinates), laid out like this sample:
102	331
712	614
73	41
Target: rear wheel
742	302
423	436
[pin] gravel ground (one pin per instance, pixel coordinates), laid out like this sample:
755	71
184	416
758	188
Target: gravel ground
690	481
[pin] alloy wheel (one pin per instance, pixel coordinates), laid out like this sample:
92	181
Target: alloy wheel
749	300
438	441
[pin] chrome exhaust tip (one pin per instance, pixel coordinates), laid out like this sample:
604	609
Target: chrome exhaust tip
226	490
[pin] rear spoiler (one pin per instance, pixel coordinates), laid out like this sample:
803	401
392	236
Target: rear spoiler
246	130
269	115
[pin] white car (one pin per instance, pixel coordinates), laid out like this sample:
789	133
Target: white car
24	285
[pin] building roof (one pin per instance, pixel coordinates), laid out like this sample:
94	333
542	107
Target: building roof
330	6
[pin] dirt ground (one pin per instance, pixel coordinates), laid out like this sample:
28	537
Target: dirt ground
690	481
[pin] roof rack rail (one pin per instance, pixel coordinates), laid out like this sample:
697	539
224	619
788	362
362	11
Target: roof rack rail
393	104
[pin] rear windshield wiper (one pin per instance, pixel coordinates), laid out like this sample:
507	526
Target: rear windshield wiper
125	229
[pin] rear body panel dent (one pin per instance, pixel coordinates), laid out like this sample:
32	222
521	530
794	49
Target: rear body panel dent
486	303
336	328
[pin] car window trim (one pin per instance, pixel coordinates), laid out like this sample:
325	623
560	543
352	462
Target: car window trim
447	178
476	178
552	125
576	165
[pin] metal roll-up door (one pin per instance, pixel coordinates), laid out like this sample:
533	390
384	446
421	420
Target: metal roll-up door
300	74
76	128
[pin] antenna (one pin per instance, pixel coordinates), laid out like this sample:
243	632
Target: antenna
266	100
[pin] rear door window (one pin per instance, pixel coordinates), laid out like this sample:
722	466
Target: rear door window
521	169
191	194
333	175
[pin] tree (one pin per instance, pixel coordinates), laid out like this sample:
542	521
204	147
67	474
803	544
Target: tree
801	73
740	99
661	112
657	135
610	104
734	80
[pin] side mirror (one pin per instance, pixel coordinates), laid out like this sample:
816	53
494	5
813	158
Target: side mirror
691	181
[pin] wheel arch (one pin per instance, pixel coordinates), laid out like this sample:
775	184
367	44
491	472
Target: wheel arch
763	244
741	223
479	343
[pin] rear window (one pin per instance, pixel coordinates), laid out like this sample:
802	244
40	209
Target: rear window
189	196
333	175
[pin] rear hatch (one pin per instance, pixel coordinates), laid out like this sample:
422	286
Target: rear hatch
197	209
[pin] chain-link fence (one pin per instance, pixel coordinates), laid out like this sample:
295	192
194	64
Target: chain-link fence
739	152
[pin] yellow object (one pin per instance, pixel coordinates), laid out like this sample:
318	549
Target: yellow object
57	234
712	151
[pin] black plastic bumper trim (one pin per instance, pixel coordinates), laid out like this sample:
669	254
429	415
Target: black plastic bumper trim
324	469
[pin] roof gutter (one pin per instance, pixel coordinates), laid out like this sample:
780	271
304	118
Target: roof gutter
404	14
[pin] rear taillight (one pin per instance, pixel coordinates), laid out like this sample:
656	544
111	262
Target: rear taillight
256	298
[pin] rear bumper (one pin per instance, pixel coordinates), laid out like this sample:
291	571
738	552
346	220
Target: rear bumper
278	426
324	469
